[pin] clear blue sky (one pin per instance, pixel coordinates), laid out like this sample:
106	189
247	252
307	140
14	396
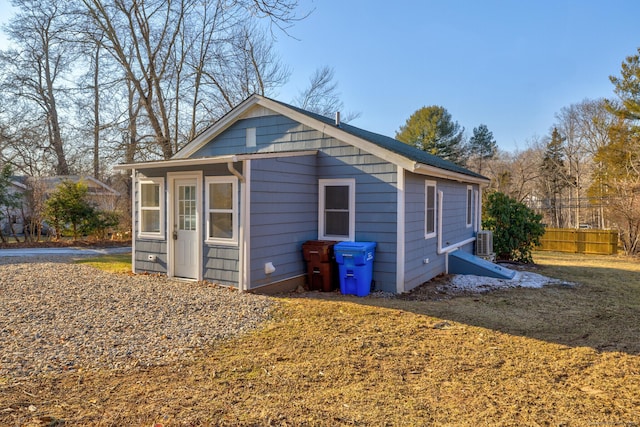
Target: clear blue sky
511	65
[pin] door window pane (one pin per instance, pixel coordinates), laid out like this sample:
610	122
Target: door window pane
186	207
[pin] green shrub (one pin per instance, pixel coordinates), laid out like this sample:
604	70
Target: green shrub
516	228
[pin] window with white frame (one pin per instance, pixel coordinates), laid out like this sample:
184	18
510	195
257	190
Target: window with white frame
337	206
222	209
430	203
151	204
469	205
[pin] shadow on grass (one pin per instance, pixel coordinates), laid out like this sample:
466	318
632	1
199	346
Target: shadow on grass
601	311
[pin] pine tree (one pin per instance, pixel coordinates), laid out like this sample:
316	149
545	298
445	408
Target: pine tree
627	87
482	145
555	177
432	129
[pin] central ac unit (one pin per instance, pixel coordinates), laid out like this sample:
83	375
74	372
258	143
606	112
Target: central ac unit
484	245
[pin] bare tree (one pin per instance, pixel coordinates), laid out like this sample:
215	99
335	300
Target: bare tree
322	96
33	73
170	50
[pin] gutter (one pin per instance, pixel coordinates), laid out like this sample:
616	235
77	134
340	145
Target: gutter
447	250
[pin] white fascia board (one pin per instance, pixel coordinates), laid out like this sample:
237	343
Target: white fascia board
435	172
18	184
173	163
339	134
215	129
110	191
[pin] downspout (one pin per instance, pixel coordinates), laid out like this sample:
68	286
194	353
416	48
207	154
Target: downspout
243	216
476	222
452	247
233	170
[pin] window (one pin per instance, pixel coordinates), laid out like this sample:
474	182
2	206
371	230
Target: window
337	206
222	209
469	205
151	217
430	209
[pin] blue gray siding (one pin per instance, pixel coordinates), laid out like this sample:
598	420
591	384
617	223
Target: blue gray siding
146	247
284	207
376	202
284	215
417	248
454	229
284	195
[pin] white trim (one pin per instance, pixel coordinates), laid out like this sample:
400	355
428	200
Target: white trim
134	232
245	229
233	241
171	178
469	210
250	135
200	161
434	184
400	232
223	123
349	182
435	172
450	248
478	204
332	131
18	184
160	234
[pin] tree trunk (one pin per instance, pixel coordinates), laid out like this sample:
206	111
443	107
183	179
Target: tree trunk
96	115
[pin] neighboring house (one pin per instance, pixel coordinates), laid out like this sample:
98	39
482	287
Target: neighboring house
252	188
11	218
100	194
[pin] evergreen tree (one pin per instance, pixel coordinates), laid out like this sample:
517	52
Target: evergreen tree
69	205
554	176
516	228
432	129
482	145
627	87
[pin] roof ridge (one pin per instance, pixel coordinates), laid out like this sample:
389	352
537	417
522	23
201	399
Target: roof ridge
387	143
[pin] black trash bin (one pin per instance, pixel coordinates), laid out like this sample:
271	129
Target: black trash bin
320	266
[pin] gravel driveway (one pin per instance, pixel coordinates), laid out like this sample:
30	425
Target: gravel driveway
56	316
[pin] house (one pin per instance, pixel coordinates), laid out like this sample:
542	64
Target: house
11	217
246	193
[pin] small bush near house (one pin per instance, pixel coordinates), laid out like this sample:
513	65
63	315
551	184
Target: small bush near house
516	228
69	208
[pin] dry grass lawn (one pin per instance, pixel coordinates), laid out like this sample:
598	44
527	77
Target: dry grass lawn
562	356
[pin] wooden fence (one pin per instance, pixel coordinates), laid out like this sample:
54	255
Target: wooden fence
582	241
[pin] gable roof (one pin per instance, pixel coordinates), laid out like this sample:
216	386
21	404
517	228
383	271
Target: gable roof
95	187
390	149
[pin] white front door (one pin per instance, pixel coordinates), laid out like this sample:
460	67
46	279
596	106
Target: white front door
185	228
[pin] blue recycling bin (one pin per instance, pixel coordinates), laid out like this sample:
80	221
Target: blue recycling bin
355	266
